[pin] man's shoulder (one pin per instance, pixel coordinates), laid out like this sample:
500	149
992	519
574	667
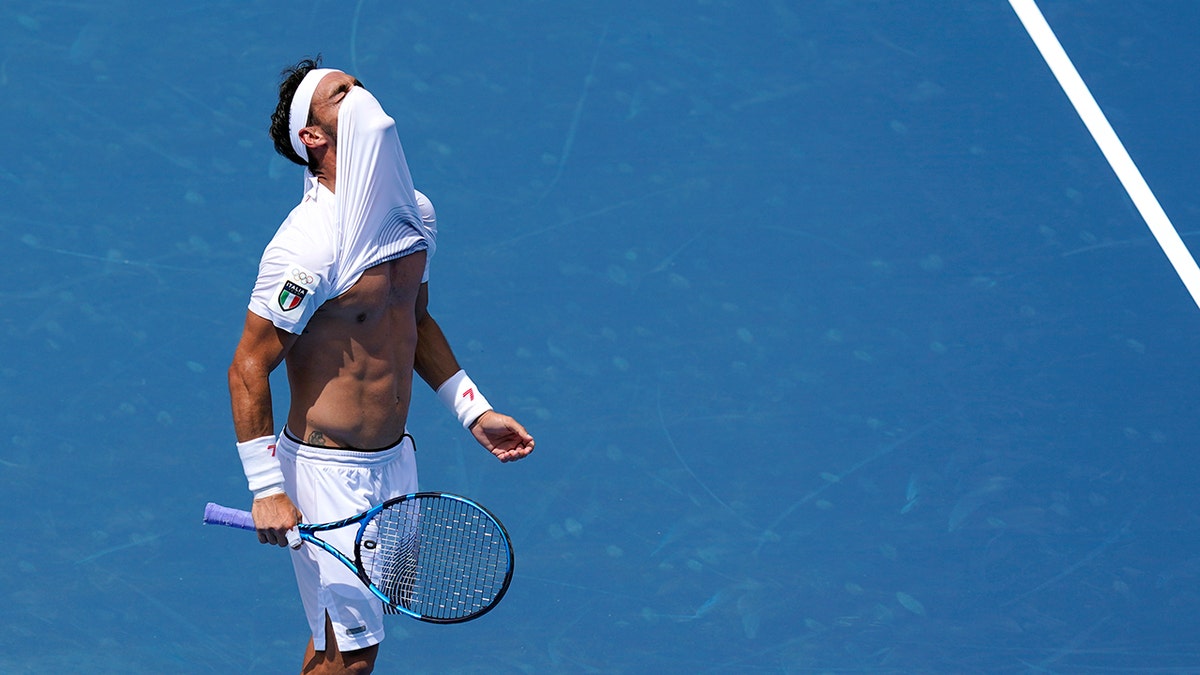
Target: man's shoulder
306	238
309	220
425	208
314	209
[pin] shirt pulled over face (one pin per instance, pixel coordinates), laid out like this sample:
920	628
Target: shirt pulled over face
329	240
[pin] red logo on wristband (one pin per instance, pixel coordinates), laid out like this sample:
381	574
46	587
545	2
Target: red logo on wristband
272	446
470	393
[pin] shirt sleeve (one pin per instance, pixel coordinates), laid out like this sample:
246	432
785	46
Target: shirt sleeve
293	278
429	227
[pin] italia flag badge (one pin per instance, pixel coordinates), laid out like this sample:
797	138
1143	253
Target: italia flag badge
295	288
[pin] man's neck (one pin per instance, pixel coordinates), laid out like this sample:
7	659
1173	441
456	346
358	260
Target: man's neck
330	183
326	171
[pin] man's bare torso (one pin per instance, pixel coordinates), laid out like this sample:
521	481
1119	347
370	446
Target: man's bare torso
351	370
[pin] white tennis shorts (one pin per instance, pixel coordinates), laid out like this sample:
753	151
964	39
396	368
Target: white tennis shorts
329	484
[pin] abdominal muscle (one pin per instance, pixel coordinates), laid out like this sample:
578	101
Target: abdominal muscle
350	372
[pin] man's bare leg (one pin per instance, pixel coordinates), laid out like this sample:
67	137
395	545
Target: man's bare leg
333	662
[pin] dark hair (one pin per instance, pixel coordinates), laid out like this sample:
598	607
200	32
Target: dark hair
280	129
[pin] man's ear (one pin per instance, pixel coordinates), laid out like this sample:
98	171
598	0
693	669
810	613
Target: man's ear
312	136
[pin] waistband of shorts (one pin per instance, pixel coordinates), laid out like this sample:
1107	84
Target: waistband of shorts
294	448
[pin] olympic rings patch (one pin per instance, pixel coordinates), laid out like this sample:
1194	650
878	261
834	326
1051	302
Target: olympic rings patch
302	277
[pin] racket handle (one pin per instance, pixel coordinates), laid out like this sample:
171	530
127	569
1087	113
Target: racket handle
215	514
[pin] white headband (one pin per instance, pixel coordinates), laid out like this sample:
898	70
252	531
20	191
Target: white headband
301	103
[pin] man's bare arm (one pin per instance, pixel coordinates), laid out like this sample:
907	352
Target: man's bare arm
434	361
261	350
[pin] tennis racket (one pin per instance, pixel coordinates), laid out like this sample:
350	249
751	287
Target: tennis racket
434	556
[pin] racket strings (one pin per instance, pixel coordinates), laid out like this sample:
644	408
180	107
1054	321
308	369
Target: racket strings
440	558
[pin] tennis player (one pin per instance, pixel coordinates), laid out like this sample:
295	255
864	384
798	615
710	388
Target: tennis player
342	298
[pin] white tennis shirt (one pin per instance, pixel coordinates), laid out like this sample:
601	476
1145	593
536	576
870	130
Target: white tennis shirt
329	240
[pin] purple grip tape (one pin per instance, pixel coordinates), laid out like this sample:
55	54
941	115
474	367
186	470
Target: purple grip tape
215	514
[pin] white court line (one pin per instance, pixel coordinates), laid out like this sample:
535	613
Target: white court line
1089	111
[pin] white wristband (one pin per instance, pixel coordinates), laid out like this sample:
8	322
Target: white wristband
462	397
263	474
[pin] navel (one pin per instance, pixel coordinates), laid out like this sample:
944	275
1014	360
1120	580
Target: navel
362	317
